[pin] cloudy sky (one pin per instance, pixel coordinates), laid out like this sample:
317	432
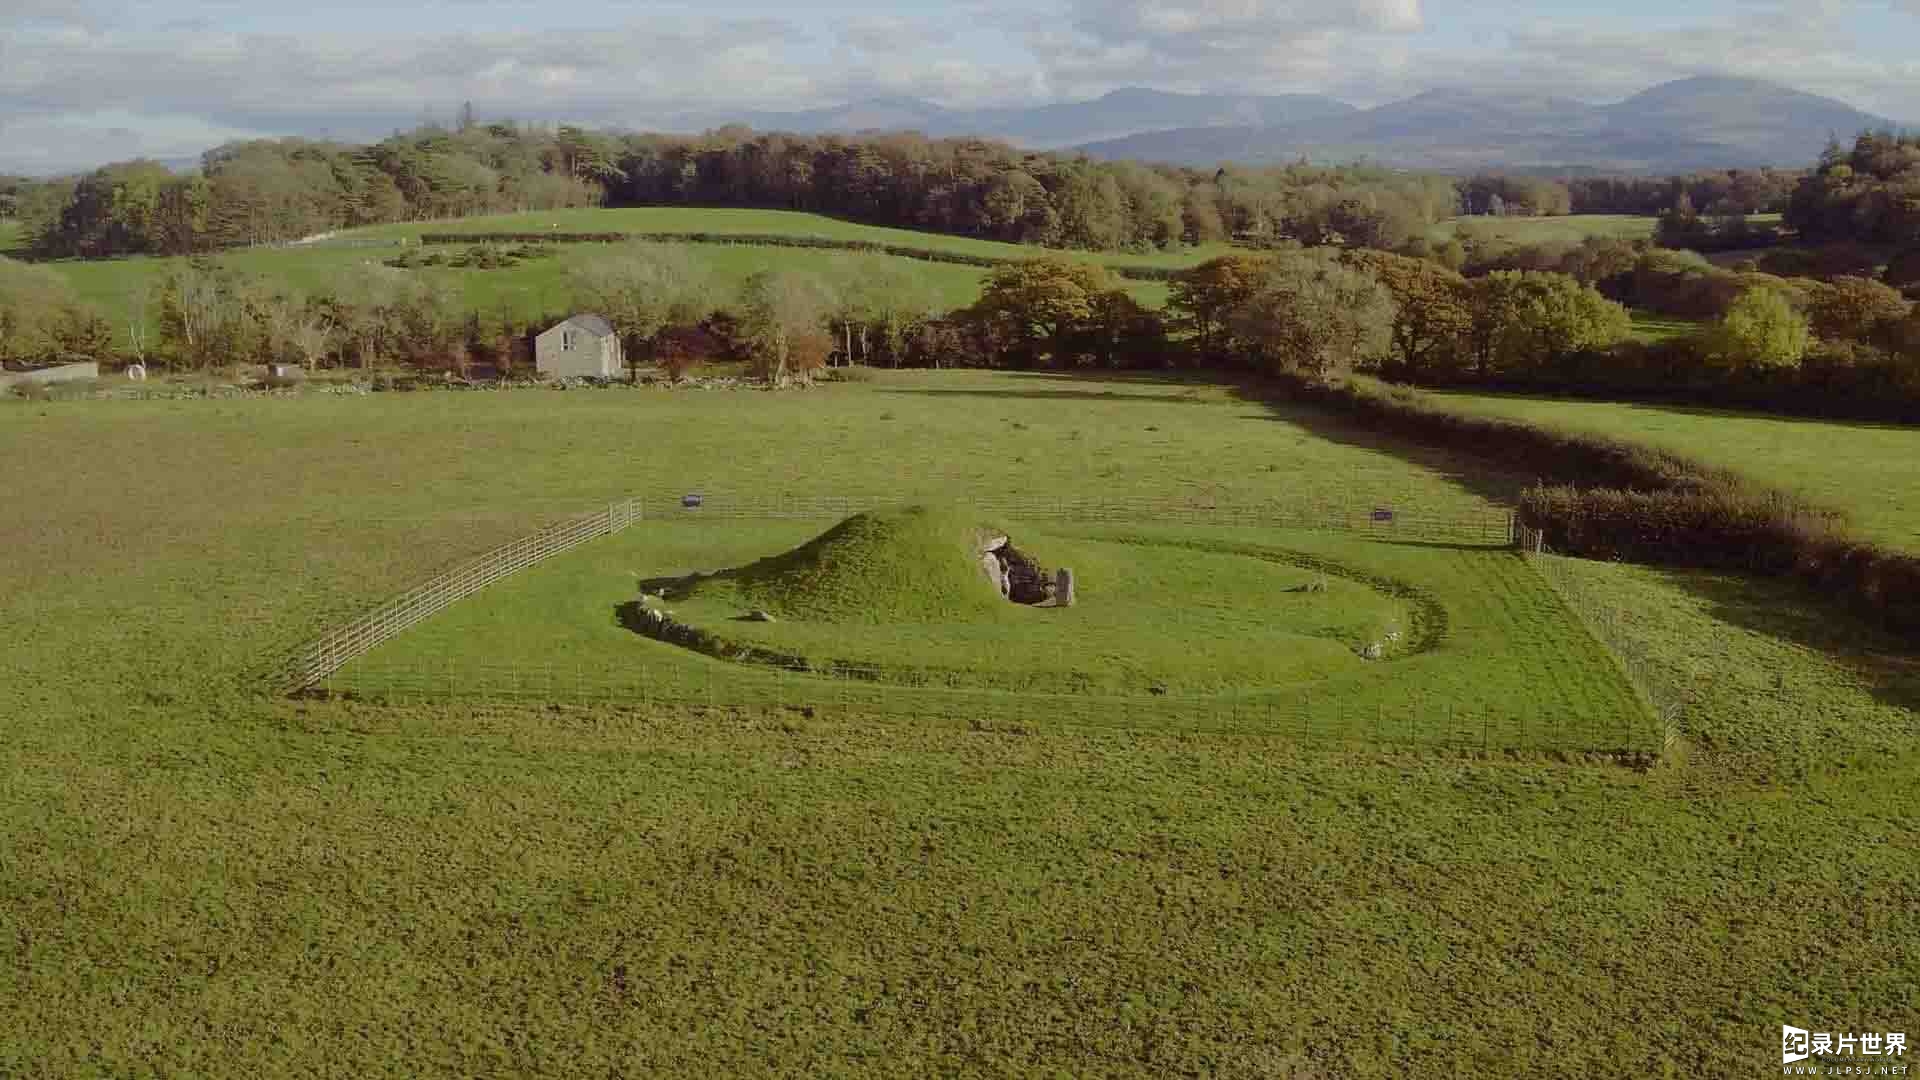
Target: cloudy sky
86	81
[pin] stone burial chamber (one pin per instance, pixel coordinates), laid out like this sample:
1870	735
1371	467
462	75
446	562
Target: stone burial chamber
1021	579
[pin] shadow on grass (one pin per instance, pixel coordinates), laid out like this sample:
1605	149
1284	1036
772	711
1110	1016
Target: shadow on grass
1499	482
1887	663
1790	612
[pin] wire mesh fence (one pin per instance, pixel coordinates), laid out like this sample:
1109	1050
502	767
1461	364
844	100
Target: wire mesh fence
1650	679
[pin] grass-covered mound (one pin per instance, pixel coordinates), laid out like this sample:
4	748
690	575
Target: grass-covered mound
914	564
900	596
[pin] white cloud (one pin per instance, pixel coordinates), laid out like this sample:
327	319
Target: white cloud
66	63
1252	46
71	141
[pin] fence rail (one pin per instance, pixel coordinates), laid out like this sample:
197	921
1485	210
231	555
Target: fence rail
315	661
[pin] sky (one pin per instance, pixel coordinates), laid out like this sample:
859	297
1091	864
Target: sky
83	82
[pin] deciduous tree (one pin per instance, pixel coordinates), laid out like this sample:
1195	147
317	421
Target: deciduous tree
1315	316
1761	330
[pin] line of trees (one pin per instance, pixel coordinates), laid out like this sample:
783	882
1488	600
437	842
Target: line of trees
270	191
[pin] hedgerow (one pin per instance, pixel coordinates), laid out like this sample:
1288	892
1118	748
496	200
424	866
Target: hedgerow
1606	498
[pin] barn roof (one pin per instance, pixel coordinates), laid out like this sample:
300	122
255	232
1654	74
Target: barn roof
597	325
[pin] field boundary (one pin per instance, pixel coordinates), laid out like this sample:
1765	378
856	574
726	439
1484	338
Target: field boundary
313	662
1665	705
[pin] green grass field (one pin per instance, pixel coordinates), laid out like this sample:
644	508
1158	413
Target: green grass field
675	219
13	237
196	879
527	290
1565	229
1568	228
540	286
1652	327
1860	468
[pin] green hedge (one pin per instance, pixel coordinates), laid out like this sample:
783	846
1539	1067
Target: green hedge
1607	498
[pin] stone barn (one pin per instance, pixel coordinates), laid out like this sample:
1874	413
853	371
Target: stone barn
584	346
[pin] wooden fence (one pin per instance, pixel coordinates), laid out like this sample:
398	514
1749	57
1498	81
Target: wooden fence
312	663
322	657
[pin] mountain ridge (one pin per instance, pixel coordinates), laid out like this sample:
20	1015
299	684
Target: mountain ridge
1708	121
1695	123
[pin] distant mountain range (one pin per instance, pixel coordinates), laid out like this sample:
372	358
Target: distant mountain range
1115	116
1706	122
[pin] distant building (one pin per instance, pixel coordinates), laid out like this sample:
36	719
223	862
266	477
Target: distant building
584	346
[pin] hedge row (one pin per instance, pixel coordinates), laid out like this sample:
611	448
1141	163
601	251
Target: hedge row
1612	499
1559	456
823	243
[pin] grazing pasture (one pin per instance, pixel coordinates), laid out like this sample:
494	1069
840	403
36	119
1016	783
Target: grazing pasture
196	877
528	290
725	220
540	286
1564	229
1567	229
1861	468
1653	327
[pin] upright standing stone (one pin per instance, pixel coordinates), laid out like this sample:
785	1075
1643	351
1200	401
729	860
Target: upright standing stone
1063	587
990	562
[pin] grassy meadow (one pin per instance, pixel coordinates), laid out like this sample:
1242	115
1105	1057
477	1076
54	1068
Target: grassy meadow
538	287
1861	468
530	289
198	879
724	220
1565	229
1651	326
13	237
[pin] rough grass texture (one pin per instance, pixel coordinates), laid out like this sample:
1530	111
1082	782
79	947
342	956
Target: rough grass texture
195	880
